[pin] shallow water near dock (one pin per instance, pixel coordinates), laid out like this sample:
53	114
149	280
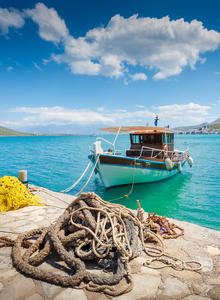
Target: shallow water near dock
56	162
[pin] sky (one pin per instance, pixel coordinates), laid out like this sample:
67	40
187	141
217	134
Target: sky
109	62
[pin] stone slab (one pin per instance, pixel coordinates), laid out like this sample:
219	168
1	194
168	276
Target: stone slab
198	243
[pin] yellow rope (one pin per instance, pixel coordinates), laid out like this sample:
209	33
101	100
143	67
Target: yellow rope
15	195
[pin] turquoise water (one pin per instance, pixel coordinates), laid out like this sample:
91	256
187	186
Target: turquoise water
57	162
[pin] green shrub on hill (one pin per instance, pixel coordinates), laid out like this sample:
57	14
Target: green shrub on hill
8	132
214	126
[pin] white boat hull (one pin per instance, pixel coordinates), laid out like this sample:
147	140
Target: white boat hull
113	174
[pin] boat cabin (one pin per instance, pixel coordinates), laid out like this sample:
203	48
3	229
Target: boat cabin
150	144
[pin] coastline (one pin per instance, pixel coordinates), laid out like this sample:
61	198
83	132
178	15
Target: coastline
198	243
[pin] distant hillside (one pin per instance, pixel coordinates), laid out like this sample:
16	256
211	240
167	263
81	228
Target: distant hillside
215	122
185	128
8	132
213	125
69	129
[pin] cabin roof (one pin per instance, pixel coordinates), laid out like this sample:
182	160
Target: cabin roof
138	129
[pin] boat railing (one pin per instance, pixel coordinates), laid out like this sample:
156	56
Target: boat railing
101	138
173	155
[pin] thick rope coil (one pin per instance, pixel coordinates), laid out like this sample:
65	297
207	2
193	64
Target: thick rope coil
89	229
6	242
26	268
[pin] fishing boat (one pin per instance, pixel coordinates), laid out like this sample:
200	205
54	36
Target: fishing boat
151	157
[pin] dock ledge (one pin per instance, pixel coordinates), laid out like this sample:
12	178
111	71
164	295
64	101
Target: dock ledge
198	243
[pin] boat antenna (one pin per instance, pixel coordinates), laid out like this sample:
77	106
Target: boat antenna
166	138
178	140
156	120
185	138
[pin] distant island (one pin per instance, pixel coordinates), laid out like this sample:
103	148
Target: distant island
9	132
204	128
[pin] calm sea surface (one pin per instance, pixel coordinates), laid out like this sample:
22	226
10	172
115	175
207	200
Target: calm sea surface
57	162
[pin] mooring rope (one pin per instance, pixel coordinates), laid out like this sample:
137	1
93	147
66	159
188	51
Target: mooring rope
212	160
72	186
132	186
46	192
175	263
89	176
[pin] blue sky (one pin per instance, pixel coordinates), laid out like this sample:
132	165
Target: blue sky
109	62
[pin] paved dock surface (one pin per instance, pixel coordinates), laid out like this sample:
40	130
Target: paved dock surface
198	243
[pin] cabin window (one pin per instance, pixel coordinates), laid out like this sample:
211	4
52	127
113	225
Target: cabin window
144	139
168	138
135	139
152	139
155	139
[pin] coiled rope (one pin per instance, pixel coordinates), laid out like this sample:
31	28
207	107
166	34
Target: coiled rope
92	229
88	229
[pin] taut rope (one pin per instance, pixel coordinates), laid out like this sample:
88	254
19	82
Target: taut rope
72	186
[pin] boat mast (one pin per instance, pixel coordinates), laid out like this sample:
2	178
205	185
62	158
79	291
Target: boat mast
116	138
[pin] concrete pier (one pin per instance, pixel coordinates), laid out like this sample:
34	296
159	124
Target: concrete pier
198	243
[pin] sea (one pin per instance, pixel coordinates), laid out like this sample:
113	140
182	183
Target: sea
56	163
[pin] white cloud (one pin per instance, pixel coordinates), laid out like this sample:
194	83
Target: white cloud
46	61
202	61
190	113
36	65
102	109
59	116
51	27
121	110
139	76
161	45
9	69
10	18
185	114
141	106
